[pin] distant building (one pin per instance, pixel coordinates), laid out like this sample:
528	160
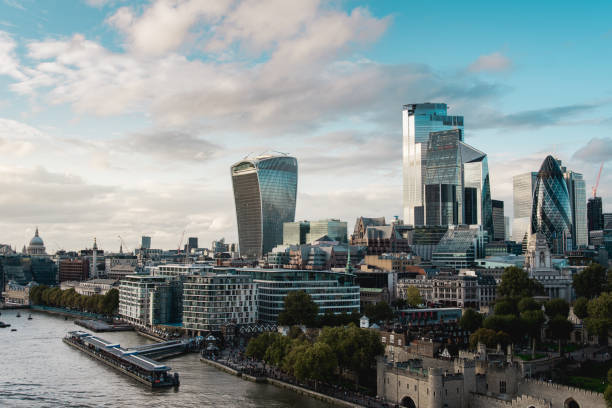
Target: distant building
44	270
418	120
378	237
17	295
576	188
538	263
294	233
213	300
460	247
522	190
36	246
265	191
507	228
145	242
551	214
499	222
607	220
95	287
150	300
595	214
73	269
192	243
306	232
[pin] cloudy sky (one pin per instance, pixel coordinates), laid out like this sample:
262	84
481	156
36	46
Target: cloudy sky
122	118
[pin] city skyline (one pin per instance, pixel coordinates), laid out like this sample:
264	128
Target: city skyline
97	143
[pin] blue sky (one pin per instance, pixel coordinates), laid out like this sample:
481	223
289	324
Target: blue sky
122	117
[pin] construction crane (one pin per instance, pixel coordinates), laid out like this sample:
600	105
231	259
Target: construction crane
181	241
597	182
122	243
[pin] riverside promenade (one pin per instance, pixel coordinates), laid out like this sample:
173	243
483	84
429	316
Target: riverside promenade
255	371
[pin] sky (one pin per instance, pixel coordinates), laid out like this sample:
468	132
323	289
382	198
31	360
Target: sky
122	118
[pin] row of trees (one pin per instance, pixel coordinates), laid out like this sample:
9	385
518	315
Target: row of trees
300	309
53	296
518	316
335	350
592	281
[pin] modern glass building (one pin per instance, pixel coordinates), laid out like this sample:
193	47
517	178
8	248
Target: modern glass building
476	179
265	190
595	214
576	188
294	233
499	228
418	121
460	247
306	232
552	212
523	186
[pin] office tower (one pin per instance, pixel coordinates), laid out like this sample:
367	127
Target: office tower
499	227
594	214
334	229
576	188
507	230
551	213
145	242
456	182
522	191
294	233
193	242
265	190
607	220
418	121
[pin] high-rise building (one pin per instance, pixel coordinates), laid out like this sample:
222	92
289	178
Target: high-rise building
73	270
607	220
418	121
523	186
145	242
576	188
265	190
193	242
456	183
499	227
507	230
334	229
551	214
294	233
595	214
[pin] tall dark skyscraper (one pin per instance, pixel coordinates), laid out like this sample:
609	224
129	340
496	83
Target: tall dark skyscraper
499	228
192	242
265	191
595	214
552	212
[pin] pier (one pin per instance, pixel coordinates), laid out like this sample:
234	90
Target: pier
130	362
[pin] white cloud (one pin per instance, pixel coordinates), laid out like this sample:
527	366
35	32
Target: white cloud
495	62
10	64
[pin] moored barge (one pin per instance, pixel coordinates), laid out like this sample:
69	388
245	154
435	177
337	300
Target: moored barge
129	362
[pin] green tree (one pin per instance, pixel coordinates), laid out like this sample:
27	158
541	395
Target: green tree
599	321
505	307
560	329
515	283
277	350
608	392
533	320
299	309
296	349
471	320
556	307
580	307
485	336
591	281
528	303
378	312
413	296
258	346
509	324
317	362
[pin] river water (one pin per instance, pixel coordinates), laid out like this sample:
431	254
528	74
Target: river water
38	370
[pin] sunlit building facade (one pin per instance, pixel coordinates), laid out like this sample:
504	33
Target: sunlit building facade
576	188
552	212
523	186
418	121
265	190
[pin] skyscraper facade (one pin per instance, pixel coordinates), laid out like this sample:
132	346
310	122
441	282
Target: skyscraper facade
456	182
145	242
595	214
265	191
576	188
523	186
551	213
418	121
499	228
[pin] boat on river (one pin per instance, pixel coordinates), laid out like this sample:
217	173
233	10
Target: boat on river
127	361
3	325
30	316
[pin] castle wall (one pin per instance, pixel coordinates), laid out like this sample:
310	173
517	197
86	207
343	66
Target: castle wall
558	394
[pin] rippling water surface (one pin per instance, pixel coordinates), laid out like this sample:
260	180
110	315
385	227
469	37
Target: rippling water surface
38	369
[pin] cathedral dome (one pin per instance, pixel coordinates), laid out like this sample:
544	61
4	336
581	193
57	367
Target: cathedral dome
37	246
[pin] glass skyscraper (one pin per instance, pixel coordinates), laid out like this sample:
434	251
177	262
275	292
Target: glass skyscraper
265	190
418	121
522	190
552	212
576	188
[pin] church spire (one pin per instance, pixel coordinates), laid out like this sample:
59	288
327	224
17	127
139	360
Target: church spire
36	233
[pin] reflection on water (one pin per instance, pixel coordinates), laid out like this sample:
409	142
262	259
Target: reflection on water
38	369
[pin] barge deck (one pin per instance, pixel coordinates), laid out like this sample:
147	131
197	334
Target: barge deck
128	362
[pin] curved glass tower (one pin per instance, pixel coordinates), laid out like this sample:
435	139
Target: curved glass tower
552	212
265	190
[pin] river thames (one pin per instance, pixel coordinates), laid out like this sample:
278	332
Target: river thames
38	370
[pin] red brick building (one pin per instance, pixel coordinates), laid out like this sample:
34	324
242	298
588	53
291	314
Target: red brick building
75	269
